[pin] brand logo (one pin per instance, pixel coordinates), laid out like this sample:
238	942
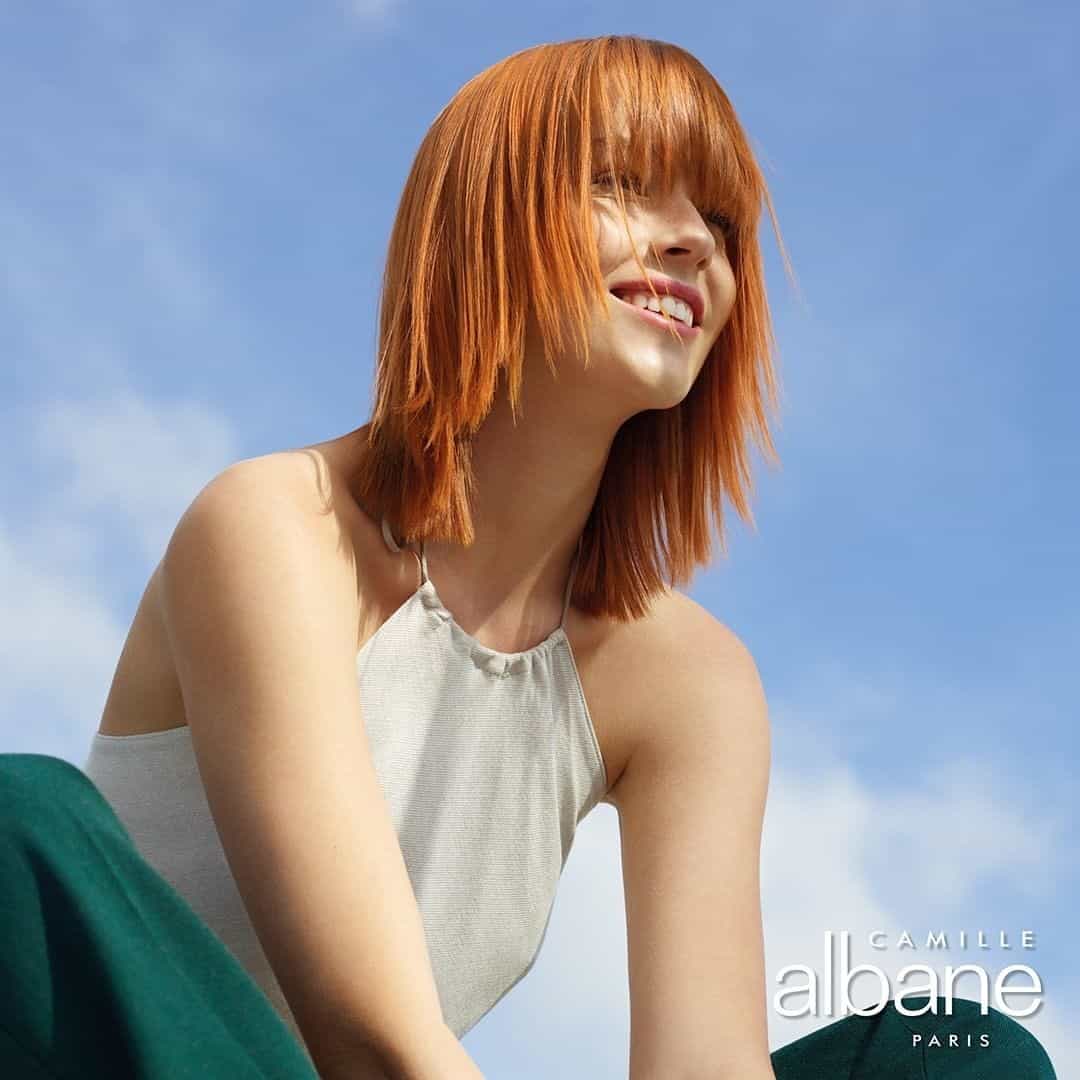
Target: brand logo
804	993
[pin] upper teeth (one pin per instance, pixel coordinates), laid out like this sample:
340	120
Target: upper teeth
668	305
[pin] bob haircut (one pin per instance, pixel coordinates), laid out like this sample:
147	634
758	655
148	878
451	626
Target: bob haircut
495	221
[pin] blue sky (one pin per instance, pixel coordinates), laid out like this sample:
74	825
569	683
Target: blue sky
194	207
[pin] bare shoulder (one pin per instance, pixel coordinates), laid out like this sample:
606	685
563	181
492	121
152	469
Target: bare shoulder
677	622
300	491
306	477
311	485
264	540
686	681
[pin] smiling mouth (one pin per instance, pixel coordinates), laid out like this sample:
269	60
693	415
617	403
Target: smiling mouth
658	318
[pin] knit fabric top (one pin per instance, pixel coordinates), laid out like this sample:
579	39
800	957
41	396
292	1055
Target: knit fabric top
488	761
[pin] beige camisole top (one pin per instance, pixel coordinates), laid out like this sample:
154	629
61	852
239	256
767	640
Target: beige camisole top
488	762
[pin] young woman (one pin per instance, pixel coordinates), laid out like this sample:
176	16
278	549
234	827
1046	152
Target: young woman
375	684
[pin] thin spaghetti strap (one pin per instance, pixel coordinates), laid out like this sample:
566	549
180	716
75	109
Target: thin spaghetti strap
570	584
388	536
393	545
423	563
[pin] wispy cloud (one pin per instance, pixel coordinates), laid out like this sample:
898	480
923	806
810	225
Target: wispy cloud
140	462
58	643
114	474
372	12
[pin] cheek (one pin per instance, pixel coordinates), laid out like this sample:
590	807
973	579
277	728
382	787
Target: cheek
612	248
722	288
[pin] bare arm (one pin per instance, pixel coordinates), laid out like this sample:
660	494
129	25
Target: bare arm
691	804
259	591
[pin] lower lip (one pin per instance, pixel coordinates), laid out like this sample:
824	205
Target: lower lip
661	320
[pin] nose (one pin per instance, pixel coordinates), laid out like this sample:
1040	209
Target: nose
680	230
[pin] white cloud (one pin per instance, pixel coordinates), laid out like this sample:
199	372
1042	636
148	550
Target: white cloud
140	462
371	11
151	220
127	469
58	643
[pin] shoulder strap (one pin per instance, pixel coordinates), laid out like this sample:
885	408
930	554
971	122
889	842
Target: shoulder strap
570	584
388	536
393	545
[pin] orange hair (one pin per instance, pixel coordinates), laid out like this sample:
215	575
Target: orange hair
495	215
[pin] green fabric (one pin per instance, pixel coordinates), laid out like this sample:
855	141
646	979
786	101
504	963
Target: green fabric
106	970
108	973
884	1047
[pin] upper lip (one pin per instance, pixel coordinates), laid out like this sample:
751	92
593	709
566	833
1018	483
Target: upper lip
663	284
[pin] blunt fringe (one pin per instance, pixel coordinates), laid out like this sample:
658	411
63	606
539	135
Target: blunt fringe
495	218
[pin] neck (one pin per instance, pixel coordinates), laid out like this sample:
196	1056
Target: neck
535	482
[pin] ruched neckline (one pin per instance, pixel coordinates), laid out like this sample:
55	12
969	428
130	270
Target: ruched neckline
493	660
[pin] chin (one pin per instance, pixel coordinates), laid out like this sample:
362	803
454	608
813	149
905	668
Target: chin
637	375
662	385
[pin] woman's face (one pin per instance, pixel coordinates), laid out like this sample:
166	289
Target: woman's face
638	362
635	356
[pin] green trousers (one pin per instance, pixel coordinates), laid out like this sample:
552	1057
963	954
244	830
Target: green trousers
891	1046
107	972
